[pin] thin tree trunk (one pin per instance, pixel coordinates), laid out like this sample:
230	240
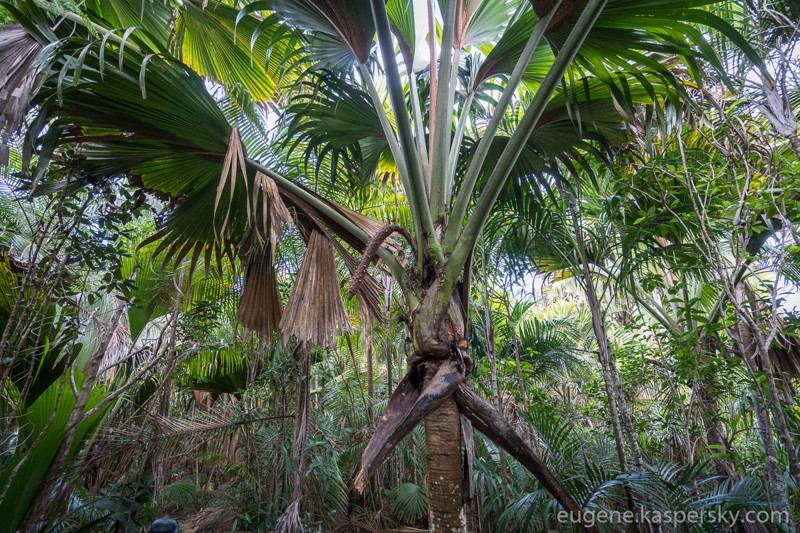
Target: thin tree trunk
387	341
526	429
610	379
301	421
446	511
387	355
715	435
370	380
627	418
779	500
56	468
612	402
762	352
498	402
603	349
758	348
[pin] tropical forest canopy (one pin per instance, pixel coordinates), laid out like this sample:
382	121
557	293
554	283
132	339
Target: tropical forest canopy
395	266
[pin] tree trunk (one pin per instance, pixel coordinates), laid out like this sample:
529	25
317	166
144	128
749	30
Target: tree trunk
610	377
776	484
498	402
446	511
749	327
772	467
44	496
794	140
627	418
715	436
762	350
370	379
603	351
301	422
387	354
387	339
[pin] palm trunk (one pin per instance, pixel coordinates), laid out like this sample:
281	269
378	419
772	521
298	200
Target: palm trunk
616	425
446	511
610	377
520	377
387	340
625	411
387	353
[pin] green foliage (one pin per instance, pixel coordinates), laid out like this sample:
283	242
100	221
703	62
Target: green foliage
42	428
409	502
643	170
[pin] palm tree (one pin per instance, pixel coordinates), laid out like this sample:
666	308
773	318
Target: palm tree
124	87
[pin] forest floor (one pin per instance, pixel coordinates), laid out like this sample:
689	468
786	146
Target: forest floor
206	520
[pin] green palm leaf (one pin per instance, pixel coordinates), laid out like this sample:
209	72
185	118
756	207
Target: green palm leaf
236	51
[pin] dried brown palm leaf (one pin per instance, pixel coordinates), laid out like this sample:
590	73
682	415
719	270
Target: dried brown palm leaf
260	304
785	354
234	161
119	447
289	521
369	291
185	427
18	51
274	212
366	224
315	311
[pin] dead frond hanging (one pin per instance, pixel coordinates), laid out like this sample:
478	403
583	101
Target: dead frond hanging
273	213
289	521
260	304
234	161
369	293
785	353
315	310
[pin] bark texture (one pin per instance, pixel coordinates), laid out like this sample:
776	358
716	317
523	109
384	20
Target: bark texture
446	511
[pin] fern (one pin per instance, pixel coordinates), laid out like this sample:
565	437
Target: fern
409	502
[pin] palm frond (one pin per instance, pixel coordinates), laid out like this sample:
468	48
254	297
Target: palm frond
315	311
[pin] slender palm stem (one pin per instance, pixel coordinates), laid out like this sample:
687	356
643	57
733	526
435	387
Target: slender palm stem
417	193
394	146
440	142
433	78
457	139
465	192
499	176
416	108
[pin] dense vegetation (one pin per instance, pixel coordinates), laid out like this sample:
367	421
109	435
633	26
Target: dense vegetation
261	262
